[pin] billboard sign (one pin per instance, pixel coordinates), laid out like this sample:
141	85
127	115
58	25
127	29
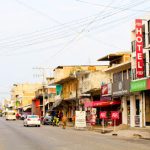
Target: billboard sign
106	89
139	49
114	115
103	115
80	119
136	86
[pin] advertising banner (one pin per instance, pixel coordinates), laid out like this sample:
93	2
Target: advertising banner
106	89
121	88
139	85
114	115
80	119
103	115
139	49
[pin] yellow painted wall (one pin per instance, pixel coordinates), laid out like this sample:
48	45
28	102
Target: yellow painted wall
65	71
25	91
69	89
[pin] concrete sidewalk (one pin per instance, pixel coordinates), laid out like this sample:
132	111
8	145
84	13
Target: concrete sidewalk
129	132
120	131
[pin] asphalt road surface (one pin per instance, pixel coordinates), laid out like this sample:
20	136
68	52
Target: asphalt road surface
14	136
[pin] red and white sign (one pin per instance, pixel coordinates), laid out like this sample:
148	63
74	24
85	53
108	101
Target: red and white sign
106	89
139	49
114	115
103	115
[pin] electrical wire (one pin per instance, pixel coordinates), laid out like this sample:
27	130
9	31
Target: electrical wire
37	42
27	37
100	5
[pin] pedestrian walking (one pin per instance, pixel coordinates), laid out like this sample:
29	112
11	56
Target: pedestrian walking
64	121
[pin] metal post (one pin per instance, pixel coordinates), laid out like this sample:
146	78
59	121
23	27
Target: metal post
114	125
43	101
103	125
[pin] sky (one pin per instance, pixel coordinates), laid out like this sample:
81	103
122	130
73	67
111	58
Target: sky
49	33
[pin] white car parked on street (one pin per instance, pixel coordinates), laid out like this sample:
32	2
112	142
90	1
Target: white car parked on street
32	120
10	115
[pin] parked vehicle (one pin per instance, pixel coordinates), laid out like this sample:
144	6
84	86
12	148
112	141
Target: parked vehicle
32	120
47	120
10	115
55	121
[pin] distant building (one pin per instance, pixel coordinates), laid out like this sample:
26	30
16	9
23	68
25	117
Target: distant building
22	95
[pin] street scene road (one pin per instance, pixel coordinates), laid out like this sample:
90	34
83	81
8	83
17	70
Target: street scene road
14	136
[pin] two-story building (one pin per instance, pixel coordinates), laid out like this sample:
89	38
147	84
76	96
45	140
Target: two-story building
22	95
140	65
117	90
43	100
76	82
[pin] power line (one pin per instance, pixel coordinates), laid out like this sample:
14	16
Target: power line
56	38
100	5
39	35
36	35
81	32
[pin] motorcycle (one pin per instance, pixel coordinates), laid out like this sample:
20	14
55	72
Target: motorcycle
55	121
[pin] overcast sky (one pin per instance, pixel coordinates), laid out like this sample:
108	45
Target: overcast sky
48	33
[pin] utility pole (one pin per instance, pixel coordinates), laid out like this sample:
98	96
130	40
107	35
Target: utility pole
44	84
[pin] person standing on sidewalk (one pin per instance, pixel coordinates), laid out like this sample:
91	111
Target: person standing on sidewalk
64	121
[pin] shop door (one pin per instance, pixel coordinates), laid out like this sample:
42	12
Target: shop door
128	112
137	116
147	108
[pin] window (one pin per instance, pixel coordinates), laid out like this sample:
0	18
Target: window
149	32
133	46
129	73
125	75
117	77
120	76
143	34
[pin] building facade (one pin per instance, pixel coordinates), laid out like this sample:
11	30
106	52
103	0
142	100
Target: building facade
117	91
140	60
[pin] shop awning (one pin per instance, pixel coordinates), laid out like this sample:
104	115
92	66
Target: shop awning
101	103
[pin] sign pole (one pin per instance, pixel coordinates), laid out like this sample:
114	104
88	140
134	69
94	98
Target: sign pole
103	125
114	116
114	125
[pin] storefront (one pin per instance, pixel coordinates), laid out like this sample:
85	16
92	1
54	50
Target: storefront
106	103
96	107
140	100
121	92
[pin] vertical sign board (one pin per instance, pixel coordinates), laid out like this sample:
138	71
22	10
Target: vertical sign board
139	49
114	115
80	119
103	115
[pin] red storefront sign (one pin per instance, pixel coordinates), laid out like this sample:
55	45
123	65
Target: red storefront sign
114	115
139	49
106	89
101	103
103	115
